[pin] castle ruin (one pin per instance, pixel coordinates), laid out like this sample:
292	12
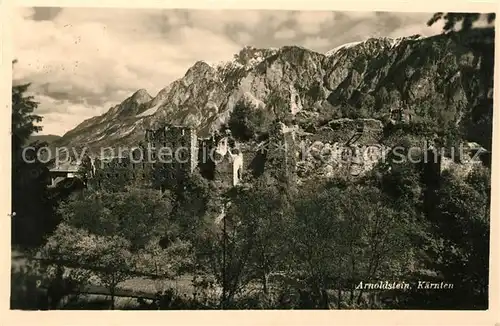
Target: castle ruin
168	155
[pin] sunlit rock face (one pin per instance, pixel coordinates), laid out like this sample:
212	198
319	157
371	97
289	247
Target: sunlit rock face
341	147
329	97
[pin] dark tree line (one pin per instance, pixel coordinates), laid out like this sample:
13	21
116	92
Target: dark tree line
33	215
465	20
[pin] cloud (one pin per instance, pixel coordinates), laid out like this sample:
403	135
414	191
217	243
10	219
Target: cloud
243	38
275	19
285	33
357	14
57	114
417	29
93	58
45	13
312	22
203	44
82	61
316	43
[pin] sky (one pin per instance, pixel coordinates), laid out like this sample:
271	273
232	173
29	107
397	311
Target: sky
82	61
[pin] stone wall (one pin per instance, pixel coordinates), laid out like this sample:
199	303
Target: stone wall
206	165
473	157
346	131
120	172
170	153
221	160
177	144
341	147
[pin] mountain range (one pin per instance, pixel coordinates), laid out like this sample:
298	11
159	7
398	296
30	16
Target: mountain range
445	81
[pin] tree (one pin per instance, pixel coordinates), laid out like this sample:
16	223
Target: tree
478	124
248	53
223	253
115	235
23	119
453	18
245	54
258	218
137	215
247	121
245	244
34	215
459	242
109	258
164	262
344	235
195	200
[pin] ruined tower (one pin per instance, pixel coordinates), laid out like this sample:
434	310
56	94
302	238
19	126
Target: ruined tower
175	147
282	150
222	160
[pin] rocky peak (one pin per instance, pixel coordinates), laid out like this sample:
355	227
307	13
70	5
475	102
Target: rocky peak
131	105
199	70
141	97
162	94
200	66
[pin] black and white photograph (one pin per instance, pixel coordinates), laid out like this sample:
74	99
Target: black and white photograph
230	159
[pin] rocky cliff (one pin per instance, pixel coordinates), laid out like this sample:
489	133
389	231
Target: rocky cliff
444	81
